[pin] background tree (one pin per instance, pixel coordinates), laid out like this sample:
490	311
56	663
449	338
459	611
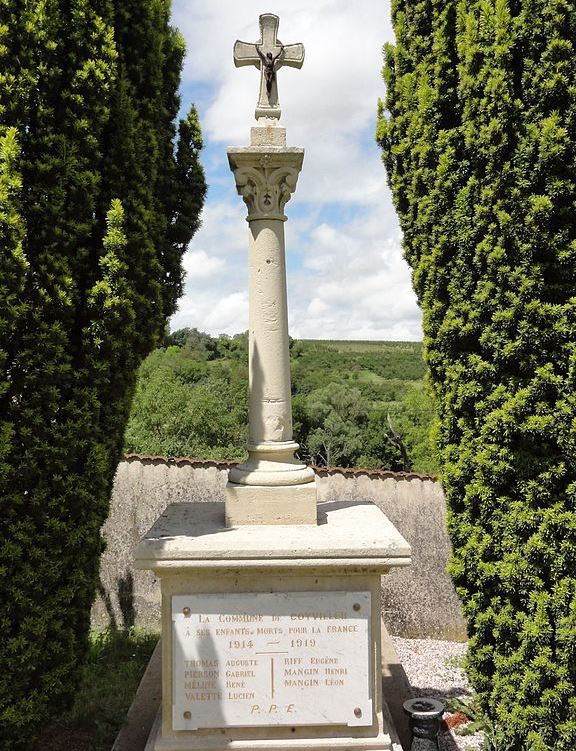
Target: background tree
340	409
479	133
96	208
331	425
185	406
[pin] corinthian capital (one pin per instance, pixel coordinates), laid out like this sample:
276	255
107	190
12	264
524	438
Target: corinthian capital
265	179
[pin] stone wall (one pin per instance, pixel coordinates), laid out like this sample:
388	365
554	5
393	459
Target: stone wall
418	602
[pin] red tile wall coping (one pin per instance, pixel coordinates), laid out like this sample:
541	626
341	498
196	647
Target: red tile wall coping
321	471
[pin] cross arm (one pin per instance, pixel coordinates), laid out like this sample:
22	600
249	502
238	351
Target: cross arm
292	55
245	53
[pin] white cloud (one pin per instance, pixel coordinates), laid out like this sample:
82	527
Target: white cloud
221	233
199	265
317	307
329	106
355	283
210	310
230	314
336	90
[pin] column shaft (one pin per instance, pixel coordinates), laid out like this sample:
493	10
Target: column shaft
269	362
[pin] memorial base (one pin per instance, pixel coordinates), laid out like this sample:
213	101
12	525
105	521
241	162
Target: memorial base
258	504
386	740
271	634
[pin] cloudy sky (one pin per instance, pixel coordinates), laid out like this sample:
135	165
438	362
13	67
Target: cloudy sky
346	275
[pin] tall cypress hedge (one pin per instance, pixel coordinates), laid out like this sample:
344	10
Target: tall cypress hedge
99	197
478	133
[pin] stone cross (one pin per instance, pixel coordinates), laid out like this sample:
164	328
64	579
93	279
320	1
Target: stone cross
268	54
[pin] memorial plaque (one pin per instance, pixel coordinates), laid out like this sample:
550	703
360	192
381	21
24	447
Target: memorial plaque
284	658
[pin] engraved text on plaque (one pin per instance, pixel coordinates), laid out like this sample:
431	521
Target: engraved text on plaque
284	658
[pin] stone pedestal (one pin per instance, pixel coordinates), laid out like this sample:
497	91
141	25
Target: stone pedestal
271	635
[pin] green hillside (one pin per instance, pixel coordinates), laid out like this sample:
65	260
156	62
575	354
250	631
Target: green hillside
355	404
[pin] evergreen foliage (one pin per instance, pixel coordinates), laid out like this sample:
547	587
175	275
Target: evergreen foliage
96	207
479	140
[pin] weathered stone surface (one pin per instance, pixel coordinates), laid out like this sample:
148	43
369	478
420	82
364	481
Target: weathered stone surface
266	177
290	504
271	658
141	493
268	133
191	532
419	602
264	555
335	566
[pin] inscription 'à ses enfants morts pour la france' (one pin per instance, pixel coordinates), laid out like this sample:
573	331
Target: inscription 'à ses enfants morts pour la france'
285	658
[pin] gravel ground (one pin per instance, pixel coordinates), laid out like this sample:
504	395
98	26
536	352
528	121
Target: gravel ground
434	669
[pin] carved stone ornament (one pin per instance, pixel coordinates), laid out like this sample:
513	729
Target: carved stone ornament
269	55
266	184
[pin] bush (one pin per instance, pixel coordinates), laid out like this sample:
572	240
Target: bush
479	136
97	204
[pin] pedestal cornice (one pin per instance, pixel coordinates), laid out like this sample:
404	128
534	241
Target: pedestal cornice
265	178
190	535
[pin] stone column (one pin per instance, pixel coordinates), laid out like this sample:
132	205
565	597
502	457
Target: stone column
272	486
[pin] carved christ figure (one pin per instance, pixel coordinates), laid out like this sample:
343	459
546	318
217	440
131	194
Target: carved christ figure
268	54
269	67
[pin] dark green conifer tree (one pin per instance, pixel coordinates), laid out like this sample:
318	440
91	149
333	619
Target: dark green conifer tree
478	132
98	201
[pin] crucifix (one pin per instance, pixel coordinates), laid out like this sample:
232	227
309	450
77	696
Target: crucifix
268	54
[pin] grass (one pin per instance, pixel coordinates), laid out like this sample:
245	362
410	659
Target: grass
365	346
367	376
116	662
455	662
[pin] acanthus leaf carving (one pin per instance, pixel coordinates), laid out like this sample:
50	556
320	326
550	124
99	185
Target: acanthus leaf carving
266	189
